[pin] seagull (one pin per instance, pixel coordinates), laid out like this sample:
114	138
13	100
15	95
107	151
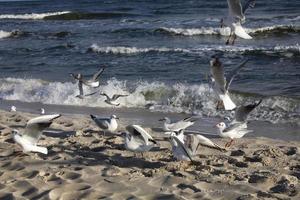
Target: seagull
13	109
221	84
32	133
81	94
112	100
235	18
42	110
137	139
106	124
179	150
177	126
238	127
195	140
93	82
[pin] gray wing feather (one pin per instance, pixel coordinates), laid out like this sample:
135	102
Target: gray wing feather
248	4
242	112
96	76
116	96
233	73
181	145
80	87
235	9
102	123
104	94
217	71
34	131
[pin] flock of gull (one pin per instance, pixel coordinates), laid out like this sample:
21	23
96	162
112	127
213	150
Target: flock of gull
136	138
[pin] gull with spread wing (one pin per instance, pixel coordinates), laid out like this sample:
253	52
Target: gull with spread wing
94	82
238	127
138	139
32	133
112	100
221	84
235	18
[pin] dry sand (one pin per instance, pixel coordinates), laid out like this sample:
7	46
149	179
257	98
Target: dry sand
84	164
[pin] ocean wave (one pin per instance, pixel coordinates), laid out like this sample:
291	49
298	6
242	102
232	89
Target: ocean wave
226	30
66	15
131	50
32	15
4	34
157	96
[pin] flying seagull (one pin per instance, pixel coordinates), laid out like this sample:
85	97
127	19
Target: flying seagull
235	18
112	100
179	150
106	124
221	84
179	125
93	82
238	127
138	139
32	133
13	109
81	94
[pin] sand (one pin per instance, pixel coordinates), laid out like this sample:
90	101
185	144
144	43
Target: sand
84	164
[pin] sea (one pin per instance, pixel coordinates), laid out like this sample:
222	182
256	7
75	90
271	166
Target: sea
157	52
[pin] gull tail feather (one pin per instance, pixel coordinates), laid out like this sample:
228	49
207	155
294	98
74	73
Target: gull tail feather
240	31
228	103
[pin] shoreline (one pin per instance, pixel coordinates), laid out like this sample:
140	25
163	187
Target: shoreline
82	163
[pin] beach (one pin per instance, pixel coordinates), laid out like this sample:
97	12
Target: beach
82	163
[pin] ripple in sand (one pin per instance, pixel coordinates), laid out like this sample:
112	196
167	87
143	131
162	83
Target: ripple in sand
70	175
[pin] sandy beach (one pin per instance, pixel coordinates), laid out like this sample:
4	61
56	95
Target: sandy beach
84	164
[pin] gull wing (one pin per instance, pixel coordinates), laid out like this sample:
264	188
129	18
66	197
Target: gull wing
217	71
104	94
235	9
248	4
101	122
207	142
90	94
96	75
234	72
35	126
183	147
242	112
138	131
80	87
116	96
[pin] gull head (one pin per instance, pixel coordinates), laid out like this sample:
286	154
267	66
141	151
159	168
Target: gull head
114	117
221	126
16	135
165	119
215	62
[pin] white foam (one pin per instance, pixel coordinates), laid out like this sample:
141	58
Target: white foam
132	50
31	15
4	34
158	96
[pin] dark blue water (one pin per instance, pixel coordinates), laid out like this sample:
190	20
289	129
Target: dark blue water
157	51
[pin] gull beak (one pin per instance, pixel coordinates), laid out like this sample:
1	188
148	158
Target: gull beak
117	118
161	120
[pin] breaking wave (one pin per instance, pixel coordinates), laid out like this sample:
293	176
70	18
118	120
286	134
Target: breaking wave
131	50
226	31
4	34
32	15
66	15
157	96
287	51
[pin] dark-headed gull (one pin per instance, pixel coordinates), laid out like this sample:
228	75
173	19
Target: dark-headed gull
112	100
235	18
179	150
179	125
221	84
238	127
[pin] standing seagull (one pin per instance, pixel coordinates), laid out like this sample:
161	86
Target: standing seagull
112	100
93	82
179	150
235	18
220	84
32	133
238	127
106	124
137	139
179	125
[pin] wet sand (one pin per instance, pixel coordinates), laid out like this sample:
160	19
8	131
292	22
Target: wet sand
84	164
